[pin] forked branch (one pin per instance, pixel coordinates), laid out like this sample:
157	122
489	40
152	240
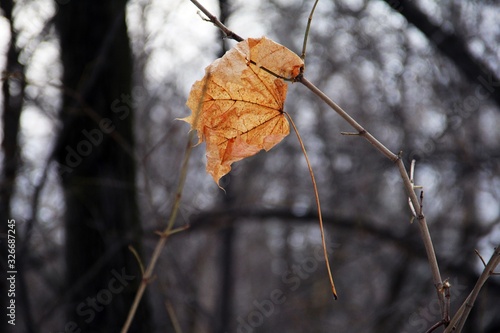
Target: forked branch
457	323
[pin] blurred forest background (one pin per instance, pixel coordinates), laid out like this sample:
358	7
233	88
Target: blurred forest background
91	155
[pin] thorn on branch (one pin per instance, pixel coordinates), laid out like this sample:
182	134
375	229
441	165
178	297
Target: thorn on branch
412	173
484	263
350	133
421	203
137	257
414	187
206	19
413	212
480	257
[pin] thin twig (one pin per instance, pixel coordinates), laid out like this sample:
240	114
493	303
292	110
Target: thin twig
137	257
424	234
361	131
148	274
173	317
424	231
435	326
349	133
318	206
480	257
457	323
212	18
412	174
306	34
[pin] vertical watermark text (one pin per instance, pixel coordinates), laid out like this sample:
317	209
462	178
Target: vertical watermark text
11	271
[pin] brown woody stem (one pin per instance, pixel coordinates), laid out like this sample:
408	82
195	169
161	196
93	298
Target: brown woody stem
424	231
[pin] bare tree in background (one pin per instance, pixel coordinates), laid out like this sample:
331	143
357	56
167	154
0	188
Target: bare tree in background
95	152
13	86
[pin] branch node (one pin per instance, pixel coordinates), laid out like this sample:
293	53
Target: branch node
167	233
445	286
299	77
148	280
399	156
162	234
206	19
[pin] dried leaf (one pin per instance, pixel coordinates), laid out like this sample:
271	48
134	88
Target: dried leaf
237	108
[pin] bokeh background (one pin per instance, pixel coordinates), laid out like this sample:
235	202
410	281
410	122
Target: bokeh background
92	151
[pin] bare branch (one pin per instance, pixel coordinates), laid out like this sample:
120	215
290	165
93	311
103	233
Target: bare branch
306	34
424	231
457	323
480	257
212	18
169	229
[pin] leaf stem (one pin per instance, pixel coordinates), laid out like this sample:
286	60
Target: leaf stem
318	205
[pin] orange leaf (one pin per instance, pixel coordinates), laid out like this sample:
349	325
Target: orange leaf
237	108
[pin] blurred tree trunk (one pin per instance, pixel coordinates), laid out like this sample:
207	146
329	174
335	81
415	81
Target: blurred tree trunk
13	86
96	165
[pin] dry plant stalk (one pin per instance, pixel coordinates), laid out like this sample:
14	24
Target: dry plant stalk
169	230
